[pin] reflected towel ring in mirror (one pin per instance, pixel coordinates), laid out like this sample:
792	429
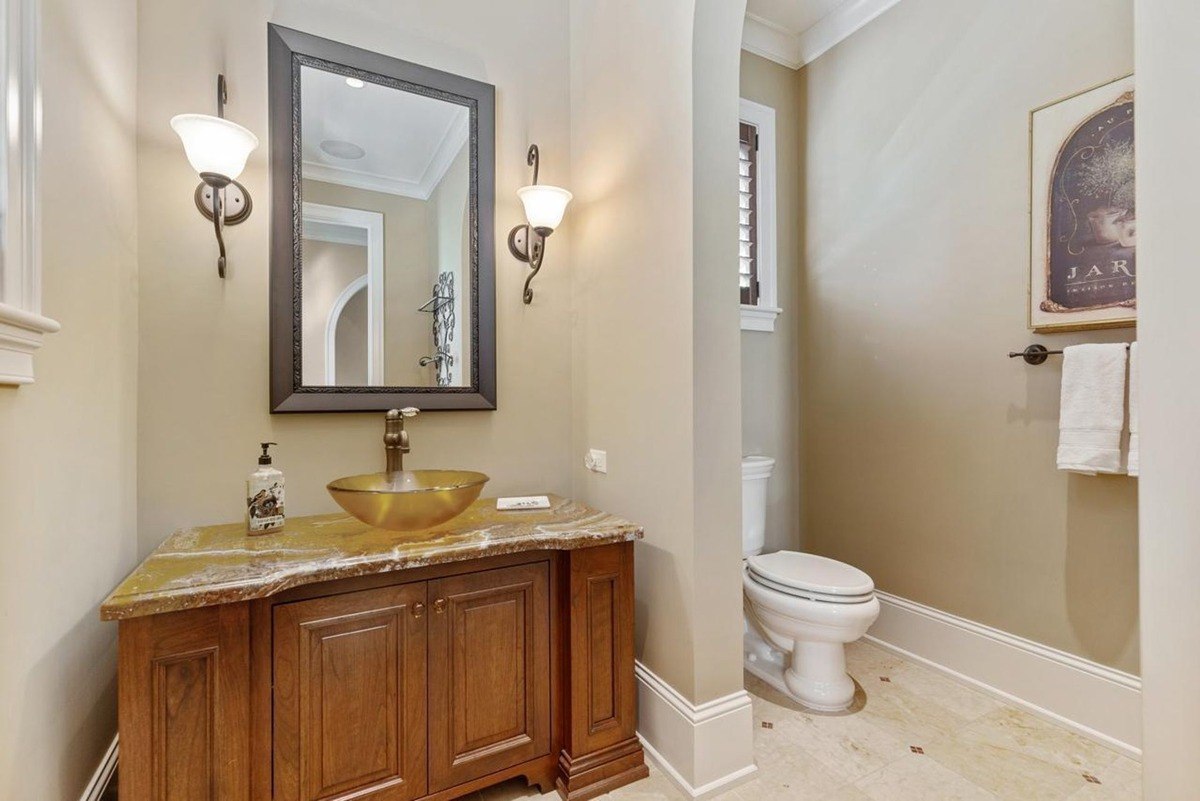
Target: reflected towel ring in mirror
544	209
217	149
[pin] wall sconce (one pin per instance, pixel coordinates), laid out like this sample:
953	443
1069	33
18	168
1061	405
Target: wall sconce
544	208
217	149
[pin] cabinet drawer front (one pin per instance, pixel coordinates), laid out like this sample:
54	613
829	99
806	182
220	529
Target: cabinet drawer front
349	697
489	682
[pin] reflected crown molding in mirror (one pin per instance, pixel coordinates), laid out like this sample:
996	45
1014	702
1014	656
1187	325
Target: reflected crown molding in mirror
368	133
22	324
439	163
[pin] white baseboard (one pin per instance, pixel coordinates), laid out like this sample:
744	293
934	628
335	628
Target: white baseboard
704	748
95	788
1096	701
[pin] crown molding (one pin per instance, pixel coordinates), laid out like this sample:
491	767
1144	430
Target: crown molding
764	38
791	49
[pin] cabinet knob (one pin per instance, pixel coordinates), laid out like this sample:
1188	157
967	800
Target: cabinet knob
439	605
418	609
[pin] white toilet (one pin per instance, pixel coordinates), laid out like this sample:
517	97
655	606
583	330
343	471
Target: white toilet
801	609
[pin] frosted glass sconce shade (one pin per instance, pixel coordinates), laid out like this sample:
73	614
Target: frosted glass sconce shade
213	144
544	206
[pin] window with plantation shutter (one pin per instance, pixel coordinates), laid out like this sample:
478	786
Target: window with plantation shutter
747	224
756	217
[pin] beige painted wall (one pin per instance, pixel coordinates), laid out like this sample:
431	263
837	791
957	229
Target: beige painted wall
929	456
655	337
203	364
771	361
351	355
716	355
328	268
67	456
632	365
1168	40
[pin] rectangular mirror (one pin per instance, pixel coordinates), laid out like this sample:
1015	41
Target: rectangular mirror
382	273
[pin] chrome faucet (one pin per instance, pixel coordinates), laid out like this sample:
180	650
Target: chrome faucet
395	438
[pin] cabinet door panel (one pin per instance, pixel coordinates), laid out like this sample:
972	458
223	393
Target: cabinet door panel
489	683
184	685
349	696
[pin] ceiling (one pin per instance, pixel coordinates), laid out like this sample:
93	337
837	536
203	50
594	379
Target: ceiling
794	16
795	32
377	137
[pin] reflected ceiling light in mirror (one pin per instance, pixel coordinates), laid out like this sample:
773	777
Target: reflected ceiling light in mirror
341	149
217	149
355	83
544	209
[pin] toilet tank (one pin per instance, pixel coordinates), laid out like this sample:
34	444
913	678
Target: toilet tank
756	470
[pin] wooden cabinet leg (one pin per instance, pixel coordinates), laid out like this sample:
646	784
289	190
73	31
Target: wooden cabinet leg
601	751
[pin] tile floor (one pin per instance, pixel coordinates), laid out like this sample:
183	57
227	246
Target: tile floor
911	735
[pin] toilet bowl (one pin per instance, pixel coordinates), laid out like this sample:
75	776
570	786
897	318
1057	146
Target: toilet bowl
801	609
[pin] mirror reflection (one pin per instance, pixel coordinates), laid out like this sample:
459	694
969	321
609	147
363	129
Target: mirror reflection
386	236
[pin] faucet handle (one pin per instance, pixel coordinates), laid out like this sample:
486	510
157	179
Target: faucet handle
410	411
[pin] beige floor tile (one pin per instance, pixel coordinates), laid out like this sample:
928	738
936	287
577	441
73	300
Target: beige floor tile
908	717
847	793
966	703
656	787
863	657
1019	757
918	778
1032	735
848	745
1120	781
789	775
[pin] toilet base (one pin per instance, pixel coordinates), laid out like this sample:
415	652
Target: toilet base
821	684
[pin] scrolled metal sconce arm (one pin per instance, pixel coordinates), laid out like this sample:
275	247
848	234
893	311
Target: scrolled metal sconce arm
527	242
219	197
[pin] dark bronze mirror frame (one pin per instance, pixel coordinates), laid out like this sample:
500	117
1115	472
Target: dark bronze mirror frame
289	50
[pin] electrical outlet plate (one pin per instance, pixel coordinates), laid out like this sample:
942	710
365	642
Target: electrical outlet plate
596	461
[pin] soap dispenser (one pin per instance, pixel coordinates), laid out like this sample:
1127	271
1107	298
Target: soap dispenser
264	496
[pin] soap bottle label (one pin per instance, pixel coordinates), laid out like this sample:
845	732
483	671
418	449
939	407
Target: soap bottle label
265	506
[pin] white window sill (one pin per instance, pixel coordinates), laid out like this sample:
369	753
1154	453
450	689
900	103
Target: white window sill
20	335
759	318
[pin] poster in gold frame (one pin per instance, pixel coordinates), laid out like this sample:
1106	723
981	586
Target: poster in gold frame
1083	214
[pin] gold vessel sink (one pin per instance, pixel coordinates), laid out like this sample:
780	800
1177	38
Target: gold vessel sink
408	500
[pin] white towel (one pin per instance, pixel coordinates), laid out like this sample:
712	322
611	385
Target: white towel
1134	462
1092	413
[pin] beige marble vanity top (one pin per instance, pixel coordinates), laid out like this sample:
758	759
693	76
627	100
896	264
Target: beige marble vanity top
220	564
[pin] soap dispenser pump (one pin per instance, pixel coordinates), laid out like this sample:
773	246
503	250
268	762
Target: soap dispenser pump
264	495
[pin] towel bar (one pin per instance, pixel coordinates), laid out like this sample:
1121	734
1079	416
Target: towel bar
1036	354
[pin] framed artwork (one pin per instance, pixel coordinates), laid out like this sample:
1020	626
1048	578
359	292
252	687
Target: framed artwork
1083	257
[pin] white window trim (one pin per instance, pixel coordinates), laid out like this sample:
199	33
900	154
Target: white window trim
762	316
22	324
371	223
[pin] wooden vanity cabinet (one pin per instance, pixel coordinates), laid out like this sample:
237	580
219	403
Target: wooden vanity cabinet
426	683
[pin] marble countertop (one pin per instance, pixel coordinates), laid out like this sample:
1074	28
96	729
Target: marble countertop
214	565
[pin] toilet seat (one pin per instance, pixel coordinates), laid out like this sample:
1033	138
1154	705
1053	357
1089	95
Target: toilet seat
816	578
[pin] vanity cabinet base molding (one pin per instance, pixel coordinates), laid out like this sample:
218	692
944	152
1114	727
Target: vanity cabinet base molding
423	684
